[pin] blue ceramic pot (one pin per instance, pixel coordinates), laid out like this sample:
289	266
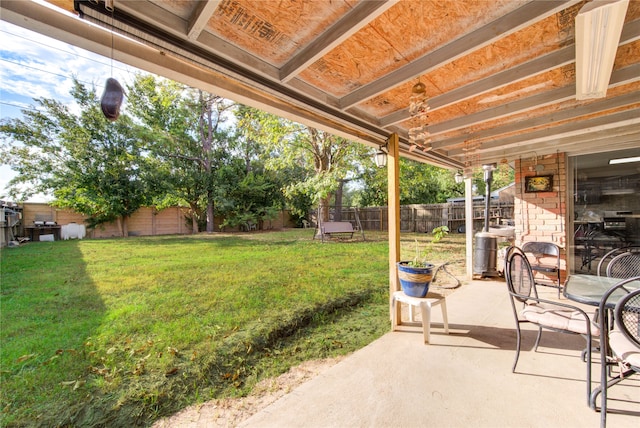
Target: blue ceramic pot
415	280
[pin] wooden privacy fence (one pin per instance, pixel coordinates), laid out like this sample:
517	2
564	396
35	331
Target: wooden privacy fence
147	221
423	218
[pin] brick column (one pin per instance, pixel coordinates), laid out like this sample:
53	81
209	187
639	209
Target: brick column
541	215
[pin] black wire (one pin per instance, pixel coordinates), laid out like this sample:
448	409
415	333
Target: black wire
36	42
64	76
21	107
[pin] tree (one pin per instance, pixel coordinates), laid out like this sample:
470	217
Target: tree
252	194
425	184
324	159
419	184
189	137
252	199
93	166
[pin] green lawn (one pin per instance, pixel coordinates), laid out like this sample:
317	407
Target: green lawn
120	332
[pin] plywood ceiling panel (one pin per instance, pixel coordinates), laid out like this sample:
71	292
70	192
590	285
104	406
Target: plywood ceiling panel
544	37
392	41
627	55
274	30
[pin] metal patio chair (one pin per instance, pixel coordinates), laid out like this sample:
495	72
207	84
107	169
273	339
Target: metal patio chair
624	265
606	259
546	261
545	314
621	346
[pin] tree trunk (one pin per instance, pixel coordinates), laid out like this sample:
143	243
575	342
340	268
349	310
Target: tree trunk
207	132
194	219
323	215
337	216
210	213
123	226
324	209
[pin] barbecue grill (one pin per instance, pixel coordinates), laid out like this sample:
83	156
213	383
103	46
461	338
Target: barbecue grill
615	220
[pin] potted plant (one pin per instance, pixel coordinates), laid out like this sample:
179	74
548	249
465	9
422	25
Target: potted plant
415	275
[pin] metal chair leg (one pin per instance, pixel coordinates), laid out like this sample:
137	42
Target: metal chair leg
518	338
538	338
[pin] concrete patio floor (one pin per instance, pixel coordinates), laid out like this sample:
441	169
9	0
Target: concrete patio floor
462	379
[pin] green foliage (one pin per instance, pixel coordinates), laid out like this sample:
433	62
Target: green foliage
315	160
419	184
89	164
253	199
439	233
373	188
425	184
502	176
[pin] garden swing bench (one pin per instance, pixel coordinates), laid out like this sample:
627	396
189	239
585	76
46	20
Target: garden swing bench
329	229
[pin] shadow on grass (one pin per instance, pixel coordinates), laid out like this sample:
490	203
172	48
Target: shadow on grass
50	307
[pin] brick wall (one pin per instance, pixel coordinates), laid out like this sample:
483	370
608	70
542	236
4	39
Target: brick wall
541	215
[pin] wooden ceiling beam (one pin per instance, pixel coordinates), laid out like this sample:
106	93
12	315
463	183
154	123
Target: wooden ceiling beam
502	27
152	12
619	77
198	21
556	133
548	120
602	140
358	17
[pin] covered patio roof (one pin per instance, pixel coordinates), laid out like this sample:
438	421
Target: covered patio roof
500	75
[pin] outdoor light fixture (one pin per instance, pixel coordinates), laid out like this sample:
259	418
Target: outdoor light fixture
459	177
381	156
598	28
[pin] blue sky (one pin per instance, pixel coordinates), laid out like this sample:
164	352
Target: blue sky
35	66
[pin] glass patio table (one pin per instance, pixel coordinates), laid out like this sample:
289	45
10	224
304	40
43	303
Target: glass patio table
589	289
